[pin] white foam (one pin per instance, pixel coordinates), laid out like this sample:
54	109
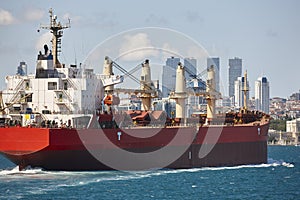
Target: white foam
276	163
73	179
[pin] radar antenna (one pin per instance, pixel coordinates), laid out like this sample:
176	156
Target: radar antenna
56	30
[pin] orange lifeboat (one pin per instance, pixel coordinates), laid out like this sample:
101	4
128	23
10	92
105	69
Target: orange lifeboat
111	100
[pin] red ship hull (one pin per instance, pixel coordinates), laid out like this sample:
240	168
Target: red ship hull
71	149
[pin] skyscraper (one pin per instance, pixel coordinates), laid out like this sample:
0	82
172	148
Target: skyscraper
22	69
169	76
239	92
169	73
262	94
191	67
215	62
235	70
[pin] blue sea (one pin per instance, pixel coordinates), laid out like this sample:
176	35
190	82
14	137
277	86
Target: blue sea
279	179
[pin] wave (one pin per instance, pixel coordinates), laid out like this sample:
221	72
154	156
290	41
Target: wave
74	179
16	171
121	175
276	163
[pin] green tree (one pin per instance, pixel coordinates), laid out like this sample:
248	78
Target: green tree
278	124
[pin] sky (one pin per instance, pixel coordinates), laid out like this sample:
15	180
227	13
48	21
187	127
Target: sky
265	34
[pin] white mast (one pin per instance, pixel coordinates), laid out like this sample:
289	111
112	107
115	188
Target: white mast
56	30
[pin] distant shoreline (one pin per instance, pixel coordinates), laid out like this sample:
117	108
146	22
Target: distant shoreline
283	144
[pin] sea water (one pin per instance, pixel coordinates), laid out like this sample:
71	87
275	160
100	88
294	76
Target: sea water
278	179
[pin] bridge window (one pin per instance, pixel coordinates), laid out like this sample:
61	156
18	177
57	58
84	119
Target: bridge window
65	85
52	85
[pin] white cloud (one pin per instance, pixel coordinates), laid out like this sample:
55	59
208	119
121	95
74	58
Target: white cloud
137	47
42	40
33	14
169	51
6	18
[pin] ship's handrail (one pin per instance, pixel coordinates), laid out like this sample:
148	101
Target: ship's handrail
68	95
18	88
65	104
44	117
72	84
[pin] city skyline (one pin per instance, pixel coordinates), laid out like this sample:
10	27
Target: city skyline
235	29
235	68
239	89
262	94
215	61
169	75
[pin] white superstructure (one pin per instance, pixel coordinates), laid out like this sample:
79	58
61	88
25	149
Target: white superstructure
54	93
57	94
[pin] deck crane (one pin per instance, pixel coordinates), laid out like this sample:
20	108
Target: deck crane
146	91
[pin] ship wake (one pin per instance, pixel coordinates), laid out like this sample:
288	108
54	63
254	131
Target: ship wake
119	175
76	179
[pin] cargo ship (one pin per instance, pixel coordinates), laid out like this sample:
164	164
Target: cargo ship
67	118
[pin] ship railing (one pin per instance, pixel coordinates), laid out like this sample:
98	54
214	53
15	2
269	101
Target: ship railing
18	88
44	117
68	95
64	103
72	84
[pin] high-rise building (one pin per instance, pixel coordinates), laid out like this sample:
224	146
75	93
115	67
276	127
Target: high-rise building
191	67
215	62
239	86
169	76
235	70
262	94
22	69
169	73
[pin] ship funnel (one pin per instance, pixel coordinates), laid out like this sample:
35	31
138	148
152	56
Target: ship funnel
211	91
180	92
145	85
46	49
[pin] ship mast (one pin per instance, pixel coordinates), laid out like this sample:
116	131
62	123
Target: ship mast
56	30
